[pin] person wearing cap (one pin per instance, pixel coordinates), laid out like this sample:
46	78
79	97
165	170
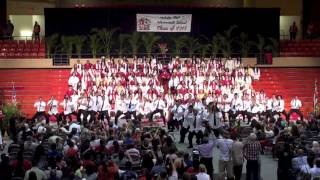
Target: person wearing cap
251	152
225	160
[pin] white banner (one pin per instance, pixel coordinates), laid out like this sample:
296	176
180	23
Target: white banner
164	22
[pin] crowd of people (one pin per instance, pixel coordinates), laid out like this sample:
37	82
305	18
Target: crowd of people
96	132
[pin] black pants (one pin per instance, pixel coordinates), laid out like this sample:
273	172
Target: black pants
293	35
38	114
237	170
268	114
198	135
252	170
183	133
244	113
64	117
118	114
208	163
161	114
230	115
130	113
84	114
92	116
103	115
296	111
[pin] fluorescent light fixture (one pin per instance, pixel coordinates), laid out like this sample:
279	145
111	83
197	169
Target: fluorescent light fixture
25	33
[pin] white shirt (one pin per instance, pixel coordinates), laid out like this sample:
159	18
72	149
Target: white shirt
296	104
225	147
104	105
76	126
73	81
148	107
246	105
280	107
237	104
188	119
120	106
131	104
40	106
53	107
93	104
210	118
178	112
315	172
67	107
83	103
203	176
159	104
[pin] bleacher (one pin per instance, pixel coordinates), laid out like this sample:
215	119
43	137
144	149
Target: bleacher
290	82
300	48
32	83
22	49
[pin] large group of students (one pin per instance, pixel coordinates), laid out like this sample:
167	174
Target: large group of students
141	88
97	131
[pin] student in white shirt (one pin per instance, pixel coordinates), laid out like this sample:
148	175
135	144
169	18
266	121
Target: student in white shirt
104	107
53	106
40	106
188	118
73	81
82	108
120	108
176	115
132	105
159	106
196	128
279	107
93	107
67	105
295	107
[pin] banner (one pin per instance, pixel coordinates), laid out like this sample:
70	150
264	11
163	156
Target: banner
164	22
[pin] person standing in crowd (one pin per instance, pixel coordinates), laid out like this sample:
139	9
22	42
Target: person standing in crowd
36	32
9	30
237	157
132	105
295	107
82	108
251	152
225	160
40	106
206	153
293	31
